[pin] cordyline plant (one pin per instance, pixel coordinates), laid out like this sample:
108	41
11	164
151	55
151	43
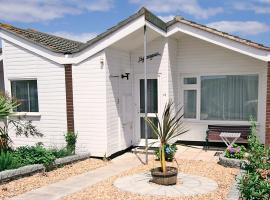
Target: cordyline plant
167	129
20	126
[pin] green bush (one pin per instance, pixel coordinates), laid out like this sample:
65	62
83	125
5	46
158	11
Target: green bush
71	139
253	185
60	153
8	161
170	150
235	151
30	155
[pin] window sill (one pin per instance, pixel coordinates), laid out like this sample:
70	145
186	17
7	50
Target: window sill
26	114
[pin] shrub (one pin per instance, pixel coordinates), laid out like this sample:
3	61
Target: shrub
254	185
71	139
9	161
60	153
30	155
235	151
170	150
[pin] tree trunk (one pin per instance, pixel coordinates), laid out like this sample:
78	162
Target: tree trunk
163	161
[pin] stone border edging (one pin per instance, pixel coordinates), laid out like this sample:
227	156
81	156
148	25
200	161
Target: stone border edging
234	193
21	171
31	169
70	159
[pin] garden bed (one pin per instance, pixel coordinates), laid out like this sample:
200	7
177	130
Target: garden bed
31	169
19	186
106	191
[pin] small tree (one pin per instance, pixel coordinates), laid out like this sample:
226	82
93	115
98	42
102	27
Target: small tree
169	127
19	124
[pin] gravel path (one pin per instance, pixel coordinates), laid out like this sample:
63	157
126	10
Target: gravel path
106	191
22	185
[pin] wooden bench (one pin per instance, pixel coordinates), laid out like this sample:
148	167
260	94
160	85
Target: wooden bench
213	133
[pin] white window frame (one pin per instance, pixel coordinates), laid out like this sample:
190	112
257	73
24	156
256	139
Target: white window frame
34	114
197	87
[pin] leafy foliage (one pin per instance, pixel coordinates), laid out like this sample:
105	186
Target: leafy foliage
8	161
235	151
169	127
60	153
21	126
30	155
170	150
71	139
254	185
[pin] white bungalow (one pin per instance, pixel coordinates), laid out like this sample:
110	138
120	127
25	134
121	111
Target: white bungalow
97	88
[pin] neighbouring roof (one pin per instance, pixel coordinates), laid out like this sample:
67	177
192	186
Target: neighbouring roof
66	46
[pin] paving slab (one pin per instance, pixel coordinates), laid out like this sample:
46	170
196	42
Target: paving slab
66	187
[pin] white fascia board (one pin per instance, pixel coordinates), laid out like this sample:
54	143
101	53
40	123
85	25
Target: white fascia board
80	56
260	54
109	40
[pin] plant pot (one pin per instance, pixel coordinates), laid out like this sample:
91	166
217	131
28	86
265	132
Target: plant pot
169	178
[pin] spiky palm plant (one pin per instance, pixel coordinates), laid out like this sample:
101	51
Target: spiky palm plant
167	129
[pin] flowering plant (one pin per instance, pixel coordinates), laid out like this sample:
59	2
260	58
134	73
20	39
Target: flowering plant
170	150
235	151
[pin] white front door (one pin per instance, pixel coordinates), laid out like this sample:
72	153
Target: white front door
152	106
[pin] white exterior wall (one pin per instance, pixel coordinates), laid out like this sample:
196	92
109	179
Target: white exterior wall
199	57
22	64
118	96
89	98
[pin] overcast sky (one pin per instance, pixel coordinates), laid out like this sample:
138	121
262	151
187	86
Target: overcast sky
84	19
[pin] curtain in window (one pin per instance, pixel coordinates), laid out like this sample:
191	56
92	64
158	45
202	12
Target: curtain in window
25	92
20	92
190	101
233	97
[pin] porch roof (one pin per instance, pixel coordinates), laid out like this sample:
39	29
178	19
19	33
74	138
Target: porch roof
65	46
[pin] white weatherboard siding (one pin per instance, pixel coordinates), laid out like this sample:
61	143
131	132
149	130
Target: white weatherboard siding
199	57
22	64
89	96
119	96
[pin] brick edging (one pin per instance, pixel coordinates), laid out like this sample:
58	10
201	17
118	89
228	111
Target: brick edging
69	97
267	122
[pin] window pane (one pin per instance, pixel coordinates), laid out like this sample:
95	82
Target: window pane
151	135
33	96
19	90
26	93
192	80
233	97
152	96
190	103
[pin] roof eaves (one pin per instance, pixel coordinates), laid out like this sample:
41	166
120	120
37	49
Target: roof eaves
217	32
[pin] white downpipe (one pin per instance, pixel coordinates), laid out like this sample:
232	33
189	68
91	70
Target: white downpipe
145	95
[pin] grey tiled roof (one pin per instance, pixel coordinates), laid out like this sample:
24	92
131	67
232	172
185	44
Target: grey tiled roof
66	46
51	42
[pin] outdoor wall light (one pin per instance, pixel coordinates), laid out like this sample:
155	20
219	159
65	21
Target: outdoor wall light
101	62
125	76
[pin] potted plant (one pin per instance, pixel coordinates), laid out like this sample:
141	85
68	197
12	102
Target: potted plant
168	128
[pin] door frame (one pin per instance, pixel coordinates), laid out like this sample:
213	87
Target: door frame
137	131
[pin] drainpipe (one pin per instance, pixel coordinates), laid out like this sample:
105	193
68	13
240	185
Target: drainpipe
145	96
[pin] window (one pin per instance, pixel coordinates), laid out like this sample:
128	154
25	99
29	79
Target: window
25	91
233	97
190	102
190	97
221	97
